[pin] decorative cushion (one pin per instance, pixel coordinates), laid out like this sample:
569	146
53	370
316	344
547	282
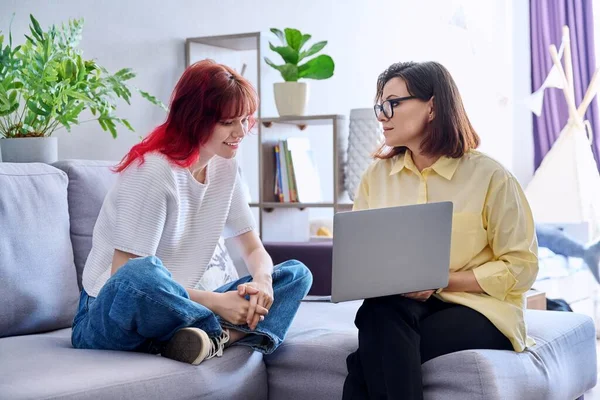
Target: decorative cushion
38	281
89	182
220	270
363	139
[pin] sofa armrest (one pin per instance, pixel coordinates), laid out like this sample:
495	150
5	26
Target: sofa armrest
317	256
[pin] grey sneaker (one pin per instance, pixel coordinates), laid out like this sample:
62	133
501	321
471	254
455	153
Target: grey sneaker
192	346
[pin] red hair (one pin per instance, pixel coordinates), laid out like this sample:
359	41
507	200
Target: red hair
206	93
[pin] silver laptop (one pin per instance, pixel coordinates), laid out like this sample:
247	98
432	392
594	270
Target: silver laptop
389	251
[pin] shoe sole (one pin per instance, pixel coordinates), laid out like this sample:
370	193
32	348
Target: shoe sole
188	345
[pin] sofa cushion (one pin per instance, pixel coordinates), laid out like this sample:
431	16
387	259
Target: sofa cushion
561	366
89	182
47	366
39	285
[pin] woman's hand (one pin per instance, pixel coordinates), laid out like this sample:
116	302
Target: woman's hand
261	295
233	307
420	296
463	281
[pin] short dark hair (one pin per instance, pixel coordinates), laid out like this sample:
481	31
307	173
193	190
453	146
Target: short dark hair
451	132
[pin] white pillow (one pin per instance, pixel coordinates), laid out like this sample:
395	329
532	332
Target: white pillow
220	270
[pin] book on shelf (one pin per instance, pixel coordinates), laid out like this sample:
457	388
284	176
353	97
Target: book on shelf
296	175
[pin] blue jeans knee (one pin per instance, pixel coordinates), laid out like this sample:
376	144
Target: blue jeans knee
294	271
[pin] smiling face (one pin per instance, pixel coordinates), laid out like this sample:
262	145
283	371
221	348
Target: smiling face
226	137
410	118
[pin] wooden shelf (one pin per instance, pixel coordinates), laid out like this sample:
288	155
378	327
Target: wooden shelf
302	121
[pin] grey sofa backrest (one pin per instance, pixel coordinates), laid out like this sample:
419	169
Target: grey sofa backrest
38	283
89	182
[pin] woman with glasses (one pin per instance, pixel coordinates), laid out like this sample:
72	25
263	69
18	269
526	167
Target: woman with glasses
429	156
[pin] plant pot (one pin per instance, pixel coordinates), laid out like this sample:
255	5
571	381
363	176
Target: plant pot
30	149
364	136
291	98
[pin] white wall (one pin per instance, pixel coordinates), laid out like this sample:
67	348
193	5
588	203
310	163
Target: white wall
364	38
522	117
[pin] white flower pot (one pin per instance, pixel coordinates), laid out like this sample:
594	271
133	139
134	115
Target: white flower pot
365	134
29	149
291	98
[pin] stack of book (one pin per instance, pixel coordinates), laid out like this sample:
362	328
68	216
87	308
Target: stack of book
296	175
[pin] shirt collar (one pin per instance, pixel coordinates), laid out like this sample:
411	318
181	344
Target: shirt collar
444	166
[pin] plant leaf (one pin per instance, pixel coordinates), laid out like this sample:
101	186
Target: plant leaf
305	38
12	97
10	110
279	34
45	107
152	99
14	85
127	124
125	74
102	123
35	34
288	54
36	25
271	63
79	96
33	107
314	49
70	117
111	127
289	72
293	38
321	67
68	69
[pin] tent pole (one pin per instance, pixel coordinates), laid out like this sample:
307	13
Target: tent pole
591	91
573	116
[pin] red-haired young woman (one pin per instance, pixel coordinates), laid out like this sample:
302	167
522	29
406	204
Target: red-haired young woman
178	192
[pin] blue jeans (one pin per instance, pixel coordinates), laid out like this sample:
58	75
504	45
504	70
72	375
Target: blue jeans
140	308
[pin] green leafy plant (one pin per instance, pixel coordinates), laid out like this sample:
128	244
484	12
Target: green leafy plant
45	84
293	41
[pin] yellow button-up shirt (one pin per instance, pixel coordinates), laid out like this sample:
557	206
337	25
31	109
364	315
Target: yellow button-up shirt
493	232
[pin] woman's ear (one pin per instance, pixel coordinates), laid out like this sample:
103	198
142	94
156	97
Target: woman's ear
431	104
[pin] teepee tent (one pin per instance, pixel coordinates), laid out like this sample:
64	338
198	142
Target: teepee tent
566	186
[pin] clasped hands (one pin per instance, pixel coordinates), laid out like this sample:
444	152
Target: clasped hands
248	305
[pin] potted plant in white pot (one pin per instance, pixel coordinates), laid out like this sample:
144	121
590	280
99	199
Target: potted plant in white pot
45	85
291	96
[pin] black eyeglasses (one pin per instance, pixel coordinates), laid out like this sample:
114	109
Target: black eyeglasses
387	107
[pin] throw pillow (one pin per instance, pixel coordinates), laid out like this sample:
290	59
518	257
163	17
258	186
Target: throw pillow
220	270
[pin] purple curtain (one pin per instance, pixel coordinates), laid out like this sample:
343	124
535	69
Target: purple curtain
547	18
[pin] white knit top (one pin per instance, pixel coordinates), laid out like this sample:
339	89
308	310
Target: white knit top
160	209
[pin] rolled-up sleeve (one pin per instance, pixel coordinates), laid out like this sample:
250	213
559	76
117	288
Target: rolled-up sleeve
511	236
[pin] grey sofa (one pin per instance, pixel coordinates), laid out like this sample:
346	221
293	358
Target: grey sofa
47	214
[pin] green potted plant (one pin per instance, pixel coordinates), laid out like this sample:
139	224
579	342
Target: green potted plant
291	96
46	84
